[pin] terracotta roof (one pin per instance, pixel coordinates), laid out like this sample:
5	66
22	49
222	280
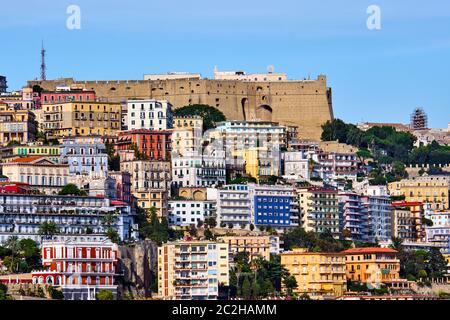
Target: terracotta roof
26	159
369	250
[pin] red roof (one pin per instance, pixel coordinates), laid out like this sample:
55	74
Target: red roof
26	159
406	203
369	250
118	203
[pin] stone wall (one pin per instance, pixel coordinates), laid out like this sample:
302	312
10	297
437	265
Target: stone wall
303	103
138	265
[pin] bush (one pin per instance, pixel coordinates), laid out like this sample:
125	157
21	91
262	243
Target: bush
104	295
55	293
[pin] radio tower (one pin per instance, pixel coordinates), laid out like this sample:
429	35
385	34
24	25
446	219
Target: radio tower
43	77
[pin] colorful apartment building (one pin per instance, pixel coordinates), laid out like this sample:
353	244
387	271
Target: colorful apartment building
379	214
319	210
431	189
80	268
372	266
406	222
321	275
51	152
155	145
192	270
67	96
16	125
355	219
187	134
68	119
255	246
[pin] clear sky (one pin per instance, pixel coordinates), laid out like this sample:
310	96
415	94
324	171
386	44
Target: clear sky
376	75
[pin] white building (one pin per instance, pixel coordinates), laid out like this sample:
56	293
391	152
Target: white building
270	76
149	114
198	170
184	213
295	165
379	212
234	206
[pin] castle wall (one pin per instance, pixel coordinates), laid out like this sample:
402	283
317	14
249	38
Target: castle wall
306	104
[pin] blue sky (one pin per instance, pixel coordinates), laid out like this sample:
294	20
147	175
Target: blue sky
377	75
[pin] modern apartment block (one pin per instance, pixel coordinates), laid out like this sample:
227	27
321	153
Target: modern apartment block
149	114
77	217
80	268
187	134
192	270
319	209
155	145
184	213
379	213
234	206
321	275
354	216
255	246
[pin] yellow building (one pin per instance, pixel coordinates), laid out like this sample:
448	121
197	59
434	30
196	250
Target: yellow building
425	189
187	134
35	149
319	274
372	266
192	270
256	162
80	119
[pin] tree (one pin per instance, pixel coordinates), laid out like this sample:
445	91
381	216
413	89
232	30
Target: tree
252	227
437	265
209	235
113	235
48	229
4	292
211	116
230	226
256	291
192	231
104	295
12	243
210	222
72	189
55	294
290	283
13	143
246	288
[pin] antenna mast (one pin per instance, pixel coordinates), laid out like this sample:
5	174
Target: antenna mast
43	67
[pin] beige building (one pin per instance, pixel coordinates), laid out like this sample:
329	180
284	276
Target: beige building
192	270
16	125
150	183
256	246
318	274
187	134
80	119
426	189
39	172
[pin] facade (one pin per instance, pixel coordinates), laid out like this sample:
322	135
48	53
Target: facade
295	165
234	206
354	216
122	185
85	156
198	170
155	145
406	222
192	270
439	232
17	125
336	165
50	152
80	268
68	119
38	172
150	183
255	246
243	76
426	189
379	213
187	134
372	266
67	96
184	213
274	206
149	114
76	217
319	274
319	209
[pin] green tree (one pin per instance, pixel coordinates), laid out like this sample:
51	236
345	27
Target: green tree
113	235
290	283
104	295
211	116
437	265
209	235
55	294
246	288
48	229
72	189
13	244
4	292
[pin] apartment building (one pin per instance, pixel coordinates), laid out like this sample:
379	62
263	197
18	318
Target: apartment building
295	165
35	149
187	134
355	220
192	270
379	214
319	210
234	206
406	222
149	114
255	246
80	268
16	125
321	275
154	145
184	213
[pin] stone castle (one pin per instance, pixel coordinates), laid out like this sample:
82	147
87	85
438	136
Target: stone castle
306	104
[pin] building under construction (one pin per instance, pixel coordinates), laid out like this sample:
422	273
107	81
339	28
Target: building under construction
419	120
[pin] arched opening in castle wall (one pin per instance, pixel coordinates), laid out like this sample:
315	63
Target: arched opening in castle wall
264	112
244	106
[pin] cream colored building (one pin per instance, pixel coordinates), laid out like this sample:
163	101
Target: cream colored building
150	183
80	118
426	189
318	274
16	125
187	134
39	172
256	246
192	270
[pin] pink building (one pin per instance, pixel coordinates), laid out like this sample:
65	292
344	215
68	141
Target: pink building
123	185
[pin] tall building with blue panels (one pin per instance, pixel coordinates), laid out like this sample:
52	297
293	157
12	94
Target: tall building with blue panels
274	206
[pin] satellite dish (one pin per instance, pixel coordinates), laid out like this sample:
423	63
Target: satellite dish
270	69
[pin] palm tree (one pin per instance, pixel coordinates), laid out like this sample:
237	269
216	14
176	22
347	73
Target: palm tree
13	244
48	229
